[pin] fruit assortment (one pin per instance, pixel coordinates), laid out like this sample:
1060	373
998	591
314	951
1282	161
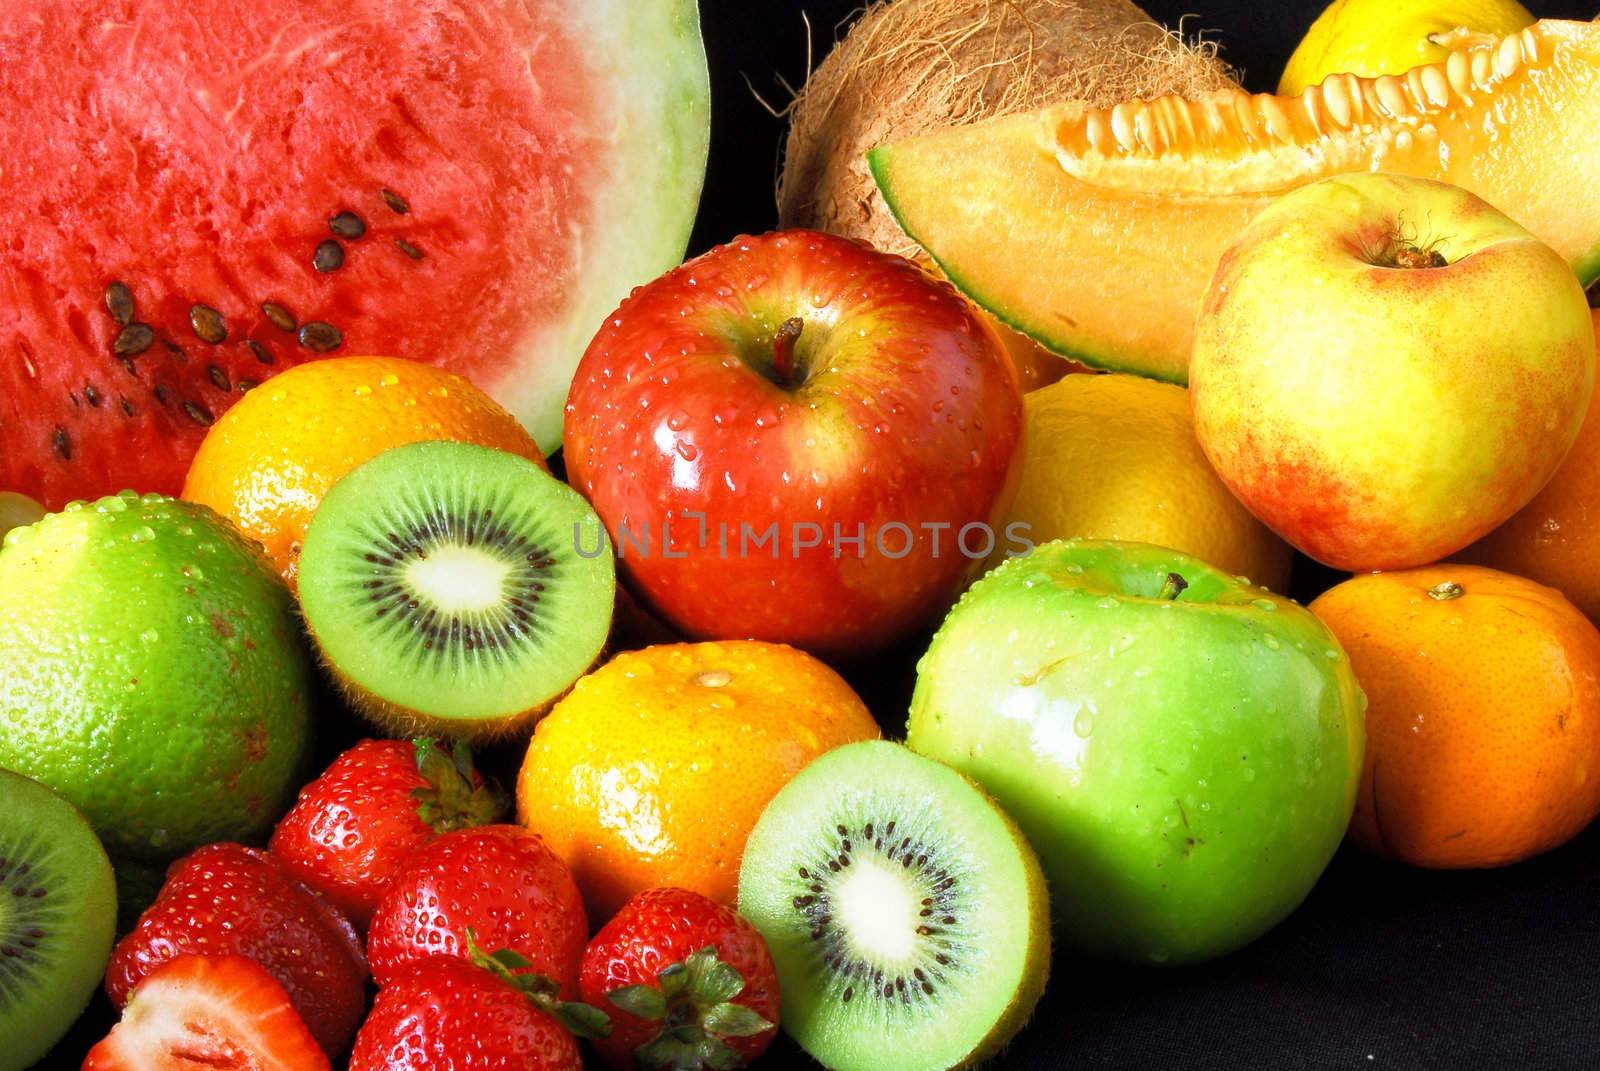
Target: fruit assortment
779	460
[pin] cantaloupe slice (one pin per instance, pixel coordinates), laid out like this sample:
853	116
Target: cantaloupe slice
1096	230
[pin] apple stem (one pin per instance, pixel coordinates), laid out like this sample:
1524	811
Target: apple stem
783	350
1174	586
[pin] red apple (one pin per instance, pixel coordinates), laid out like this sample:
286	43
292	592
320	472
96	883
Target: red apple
742	420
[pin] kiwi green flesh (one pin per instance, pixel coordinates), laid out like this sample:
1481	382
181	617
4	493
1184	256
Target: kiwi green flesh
464	585
58	912
905	913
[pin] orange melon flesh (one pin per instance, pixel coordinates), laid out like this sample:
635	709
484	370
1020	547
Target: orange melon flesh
1096	231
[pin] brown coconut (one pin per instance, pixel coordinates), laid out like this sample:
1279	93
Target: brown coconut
910	67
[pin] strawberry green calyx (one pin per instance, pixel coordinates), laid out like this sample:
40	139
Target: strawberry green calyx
457	796
542	992
693	1001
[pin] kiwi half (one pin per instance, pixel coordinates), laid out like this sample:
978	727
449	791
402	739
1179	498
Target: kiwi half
906	914
58	914
456	590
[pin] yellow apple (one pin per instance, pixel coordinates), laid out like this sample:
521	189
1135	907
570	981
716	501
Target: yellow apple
1386	368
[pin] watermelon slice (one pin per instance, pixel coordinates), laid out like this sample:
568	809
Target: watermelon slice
197	197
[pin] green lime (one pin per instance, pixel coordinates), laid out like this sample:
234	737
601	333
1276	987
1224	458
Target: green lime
152	672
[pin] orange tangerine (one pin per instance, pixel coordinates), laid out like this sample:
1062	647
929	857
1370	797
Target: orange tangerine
654	768
267	463
1483	716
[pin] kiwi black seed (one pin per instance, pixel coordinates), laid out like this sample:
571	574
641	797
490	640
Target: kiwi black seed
58	913
455	589
906	914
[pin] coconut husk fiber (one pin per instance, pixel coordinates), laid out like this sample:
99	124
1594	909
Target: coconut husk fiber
910	67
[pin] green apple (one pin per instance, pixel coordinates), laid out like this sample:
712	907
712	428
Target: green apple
1387	368
1181	748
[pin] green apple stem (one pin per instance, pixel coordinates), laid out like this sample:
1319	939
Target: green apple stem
1172	587
783	344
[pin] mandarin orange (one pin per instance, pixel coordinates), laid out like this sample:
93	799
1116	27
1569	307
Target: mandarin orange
1555	539
654	768
1483	717
267	463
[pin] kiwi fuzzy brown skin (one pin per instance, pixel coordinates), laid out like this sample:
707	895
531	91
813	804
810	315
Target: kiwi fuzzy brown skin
58	912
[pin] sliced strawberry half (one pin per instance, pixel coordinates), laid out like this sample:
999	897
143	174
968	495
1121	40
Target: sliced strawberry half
194	1013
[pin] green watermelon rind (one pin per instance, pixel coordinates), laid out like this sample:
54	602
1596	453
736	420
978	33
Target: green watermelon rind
652	54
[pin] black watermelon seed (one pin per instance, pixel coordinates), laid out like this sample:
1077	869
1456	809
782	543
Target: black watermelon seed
119	303
128	408
62	444
278	316
133	340
219	378
348	225
320	337
163	395
408	249
178	352
91	395
208	324
127	366
247	385
261	352
400	205
199	414
329	256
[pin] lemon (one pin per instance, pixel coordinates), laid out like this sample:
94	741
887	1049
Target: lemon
1115	457
1373	37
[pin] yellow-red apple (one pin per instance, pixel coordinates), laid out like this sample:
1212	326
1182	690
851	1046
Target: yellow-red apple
1386	368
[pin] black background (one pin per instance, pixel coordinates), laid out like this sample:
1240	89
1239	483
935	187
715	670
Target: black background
1383	967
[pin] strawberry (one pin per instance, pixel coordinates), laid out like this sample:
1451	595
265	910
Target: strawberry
354	826
484	1013
503	883
226	899
687	982
196	1011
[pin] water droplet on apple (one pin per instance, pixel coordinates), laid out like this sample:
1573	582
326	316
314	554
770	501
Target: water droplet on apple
1266	605
1271	642
1083	724
687	450
881	427
677	420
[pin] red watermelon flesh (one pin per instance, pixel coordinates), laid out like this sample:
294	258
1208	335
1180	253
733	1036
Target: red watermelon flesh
517	166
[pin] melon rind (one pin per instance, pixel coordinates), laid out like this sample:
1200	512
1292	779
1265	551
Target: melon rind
651	55
1103	255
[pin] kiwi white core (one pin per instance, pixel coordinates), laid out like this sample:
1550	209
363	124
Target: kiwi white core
876	908
461	579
